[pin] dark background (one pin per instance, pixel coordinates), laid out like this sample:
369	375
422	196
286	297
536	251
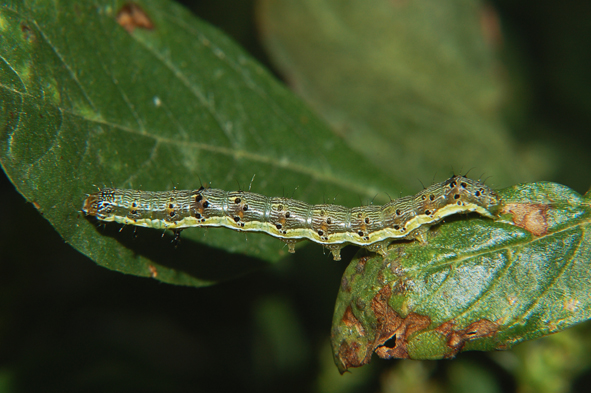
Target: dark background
69	325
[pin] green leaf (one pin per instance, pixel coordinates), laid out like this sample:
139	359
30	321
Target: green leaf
478	284
168	103
411	85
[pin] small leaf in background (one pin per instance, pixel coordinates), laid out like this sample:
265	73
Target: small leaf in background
552	364
412	85
478	284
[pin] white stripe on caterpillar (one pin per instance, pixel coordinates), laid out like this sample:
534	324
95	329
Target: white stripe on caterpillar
290	220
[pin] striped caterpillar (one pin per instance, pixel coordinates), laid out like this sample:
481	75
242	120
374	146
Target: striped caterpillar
333	226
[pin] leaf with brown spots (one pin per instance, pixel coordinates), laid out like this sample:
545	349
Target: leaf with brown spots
529	216
476	285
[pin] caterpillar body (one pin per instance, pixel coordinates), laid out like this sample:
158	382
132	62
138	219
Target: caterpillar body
373	227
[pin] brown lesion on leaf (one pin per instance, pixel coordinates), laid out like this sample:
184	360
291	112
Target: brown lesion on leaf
132	16
360	268
28	34
345	285
349	356
153	271
529	216
381	279
457	338
351	321
390	325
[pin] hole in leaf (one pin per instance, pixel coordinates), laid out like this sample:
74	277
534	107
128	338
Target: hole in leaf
391	342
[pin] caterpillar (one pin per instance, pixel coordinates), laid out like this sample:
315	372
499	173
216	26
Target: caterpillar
373	227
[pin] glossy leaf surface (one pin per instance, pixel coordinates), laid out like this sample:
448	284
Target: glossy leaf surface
109	93
477	285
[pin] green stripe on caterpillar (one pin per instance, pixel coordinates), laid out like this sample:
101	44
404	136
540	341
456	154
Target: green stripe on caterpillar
290	220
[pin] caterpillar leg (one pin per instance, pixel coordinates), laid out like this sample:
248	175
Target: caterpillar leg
290	244
177	237
379	247
335	249
420	234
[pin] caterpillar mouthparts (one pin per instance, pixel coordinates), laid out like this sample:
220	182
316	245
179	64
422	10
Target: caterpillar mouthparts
373	227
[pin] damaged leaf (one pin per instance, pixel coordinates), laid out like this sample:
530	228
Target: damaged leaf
477	285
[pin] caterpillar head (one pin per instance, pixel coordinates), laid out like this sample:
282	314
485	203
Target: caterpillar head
98	205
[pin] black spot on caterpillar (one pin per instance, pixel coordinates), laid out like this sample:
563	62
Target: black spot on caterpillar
290	220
